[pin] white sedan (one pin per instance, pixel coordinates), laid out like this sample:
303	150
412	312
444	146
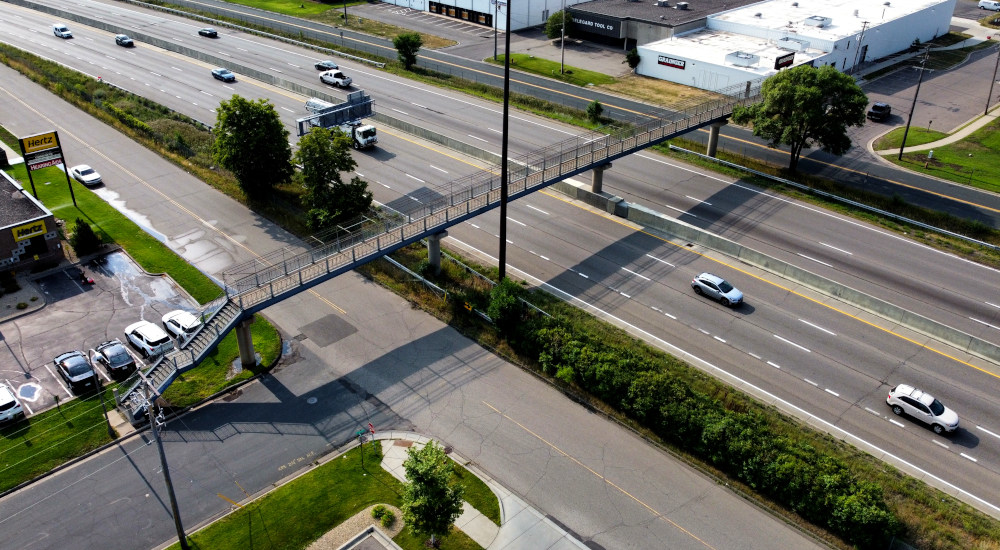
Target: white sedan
85	175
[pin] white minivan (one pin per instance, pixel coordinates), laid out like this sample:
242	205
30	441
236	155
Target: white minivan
62	31
993	5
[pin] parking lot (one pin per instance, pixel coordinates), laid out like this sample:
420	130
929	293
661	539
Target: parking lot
79	315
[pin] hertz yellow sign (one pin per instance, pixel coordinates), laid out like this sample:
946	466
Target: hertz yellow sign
40	142
29	230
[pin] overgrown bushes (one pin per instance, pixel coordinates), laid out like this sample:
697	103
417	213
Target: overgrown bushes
736	439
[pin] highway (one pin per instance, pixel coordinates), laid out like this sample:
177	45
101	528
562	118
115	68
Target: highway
813	353
356	353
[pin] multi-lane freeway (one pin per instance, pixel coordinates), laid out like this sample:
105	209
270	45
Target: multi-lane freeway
812	353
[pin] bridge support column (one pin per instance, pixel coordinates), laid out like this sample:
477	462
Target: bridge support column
598	179
245	342
713	137
434	250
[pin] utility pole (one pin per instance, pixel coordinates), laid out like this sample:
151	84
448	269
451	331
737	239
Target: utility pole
562	42
496	10
155	423
992	82
504	168
927	53
857	51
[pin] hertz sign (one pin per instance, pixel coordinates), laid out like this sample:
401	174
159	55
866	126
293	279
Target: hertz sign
29	230
40	142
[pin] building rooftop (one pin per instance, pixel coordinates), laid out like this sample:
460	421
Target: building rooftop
668	14
824	19
16	205
754	55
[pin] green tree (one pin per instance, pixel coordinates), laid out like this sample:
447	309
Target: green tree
805	106
407	45
632	58
252	143
554	25
594	111
84	241
324	155
431	502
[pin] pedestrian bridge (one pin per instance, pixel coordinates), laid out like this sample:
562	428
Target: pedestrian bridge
262	282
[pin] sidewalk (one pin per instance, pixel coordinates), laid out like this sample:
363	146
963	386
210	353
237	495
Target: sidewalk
521	527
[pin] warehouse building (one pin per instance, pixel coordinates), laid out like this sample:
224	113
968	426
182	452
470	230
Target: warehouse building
758	40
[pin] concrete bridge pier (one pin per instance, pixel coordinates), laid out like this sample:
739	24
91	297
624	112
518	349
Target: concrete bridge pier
598	179
245	342
713	137
434	250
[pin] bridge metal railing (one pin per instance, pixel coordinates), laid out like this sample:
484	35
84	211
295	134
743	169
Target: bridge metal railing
259	283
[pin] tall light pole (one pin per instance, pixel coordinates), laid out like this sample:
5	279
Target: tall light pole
992	82
496	24
861	38
562	42
927	53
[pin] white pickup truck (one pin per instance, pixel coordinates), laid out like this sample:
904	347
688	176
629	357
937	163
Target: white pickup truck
335	78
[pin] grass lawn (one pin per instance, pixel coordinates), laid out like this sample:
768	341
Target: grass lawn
294	515
34	446
972	161
545	67
212	375
478	494
916	136
113	226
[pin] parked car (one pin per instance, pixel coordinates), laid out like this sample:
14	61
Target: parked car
61	30
181	324
115	358
335	78
85	174
208	32
76	370
879	112
224	75
922	406
148	338
718	288
124	40
326	65
10	408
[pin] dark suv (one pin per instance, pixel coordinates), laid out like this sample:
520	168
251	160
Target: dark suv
879	112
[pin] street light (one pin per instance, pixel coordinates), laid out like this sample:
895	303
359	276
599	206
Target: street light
927	53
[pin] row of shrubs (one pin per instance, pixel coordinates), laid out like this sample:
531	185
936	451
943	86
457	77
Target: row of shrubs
741	443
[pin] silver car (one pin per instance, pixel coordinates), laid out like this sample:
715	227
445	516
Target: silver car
718	288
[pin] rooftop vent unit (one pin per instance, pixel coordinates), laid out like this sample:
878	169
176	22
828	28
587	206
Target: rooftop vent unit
795	4
742	59
817	21
758	15
793	44
663	3
885	3
682	5
855	13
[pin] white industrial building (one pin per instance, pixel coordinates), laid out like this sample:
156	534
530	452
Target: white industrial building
525	14
759	39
